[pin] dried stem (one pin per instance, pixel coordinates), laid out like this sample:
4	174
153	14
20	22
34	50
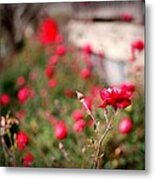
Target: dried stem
80	97
99	154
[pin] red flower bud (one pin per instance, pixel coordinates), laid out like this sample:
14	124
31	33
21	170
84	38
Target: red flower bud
28	159
125	125
85	73
4	99
21	140
60	130
49	71
52	83
23	94
61	50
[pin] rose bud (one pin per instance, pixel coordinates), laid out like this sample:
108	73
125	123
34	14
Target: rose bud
21	140
125	126
60	130
28	159
4	99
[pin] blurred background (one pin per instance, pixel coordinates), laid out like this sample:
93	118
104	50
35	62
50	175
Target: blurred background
50	50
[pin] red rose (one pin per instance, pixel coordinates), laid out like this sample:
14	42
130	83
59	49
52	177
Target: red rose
125	125
77	115
79	125
116	97
23	94
48	31
60	130
21	140
4	99
28	159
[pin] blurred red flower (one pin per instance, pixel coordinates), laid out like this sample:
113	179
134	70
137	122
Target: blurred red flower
125	126
53	60
52	83
20	81
28	159
21	140
61	50
77	115
79	125
23	94
49	71
60	130
138	44
87	49
4	99
116	97
85	73
48	31
68	92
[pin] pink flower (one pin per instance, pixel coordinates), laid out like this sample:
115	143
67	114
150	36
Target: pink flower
48	31
23	94
49	71
52	83
28	159
61	50
116	97
21	81
77	115
125	125
79	126
21	140
60	130
85	73
4	99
